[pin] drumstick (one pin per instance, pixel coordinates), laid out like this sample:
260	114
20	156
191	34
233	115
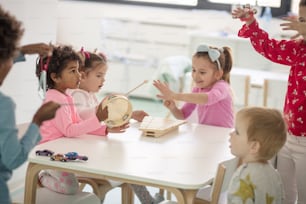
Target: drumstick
127	93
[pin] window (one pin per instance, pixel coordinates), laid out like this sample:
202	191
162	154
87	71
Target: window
172	2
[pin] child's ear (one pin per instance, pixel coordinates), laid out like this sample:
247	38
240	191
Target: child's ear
255	146
219	74
54	77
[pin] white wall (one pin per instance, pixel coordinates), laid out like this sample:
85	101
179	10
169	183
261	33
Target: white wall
39	18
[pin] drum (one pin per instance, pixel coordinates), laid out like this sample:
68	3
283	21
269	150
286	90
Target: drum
119	110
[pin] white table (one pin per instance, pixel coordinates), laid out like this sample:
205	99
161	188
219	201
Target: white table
182	161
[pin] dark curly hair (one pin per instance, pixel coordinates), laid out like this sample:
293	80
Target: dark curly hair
61	56
302	3
10	33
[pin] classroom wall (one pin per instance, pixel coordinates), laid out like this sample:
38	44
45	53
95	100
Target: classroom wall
39	19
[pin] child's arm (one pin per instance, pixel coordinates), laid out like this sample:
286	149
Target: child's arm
14	151
168	94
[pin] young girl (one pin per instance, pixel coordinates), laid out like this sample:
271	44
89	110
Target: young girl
211	96
62	74
13	150
291	160
93	69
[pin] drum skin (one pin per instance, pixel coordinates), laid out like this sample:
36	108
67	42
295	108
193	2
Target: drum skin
119	110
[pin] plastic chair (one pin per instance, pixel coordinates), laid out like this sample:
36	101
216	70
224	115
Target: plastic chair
274	93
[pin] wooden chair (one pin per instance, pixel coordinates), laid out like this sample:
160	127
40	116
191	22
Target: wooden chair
240	85
212	193
100	187
215	189
46	196
274	93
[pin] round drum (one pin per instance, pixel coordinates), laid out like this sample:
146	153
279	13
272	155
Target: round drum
119	110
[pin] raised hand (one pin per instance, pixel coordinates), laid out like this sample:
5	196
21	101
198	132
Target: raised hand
293	23
245	13
45	112
166	93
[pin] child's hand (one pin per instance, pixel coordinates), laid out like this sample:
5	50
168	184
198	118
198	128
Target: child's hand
102	114
166	93
45	112
119	129
245	14
139	115
294	24
170	104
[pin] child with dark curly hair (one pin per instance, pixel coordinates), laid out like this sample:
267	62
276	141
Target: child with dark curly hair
14	152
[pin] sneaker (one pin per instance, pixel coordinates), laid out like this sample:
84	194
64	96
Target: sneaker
158	198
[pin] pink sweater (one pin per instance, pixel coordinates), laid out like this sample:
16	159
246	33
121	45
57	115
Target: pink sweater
67	122
218	111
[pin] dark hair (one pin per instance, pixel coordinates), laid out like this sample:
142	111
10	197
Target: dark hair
10	33
89	60
61	56
225	59
302	3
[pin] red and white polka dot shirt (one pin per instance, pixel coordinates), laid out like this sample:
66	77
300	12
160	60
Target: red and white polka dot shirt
291	53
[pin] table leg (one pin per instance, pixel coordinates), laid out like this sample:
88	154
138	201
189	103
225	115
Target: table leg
189	196
31	183
127	194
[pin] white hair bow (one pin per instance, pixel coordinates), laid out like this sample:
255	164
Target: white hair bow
213	54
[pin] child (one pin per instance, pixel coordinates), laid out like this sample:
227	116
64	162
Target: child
211	95
62	74
93	69
14	152
259	134
291	160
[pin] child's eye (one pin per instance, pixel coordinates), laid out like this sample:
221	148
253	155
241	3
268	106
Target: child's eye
302	20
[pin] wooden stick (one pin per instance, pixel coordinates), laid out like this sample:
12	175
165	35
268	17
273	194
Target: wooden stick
127	93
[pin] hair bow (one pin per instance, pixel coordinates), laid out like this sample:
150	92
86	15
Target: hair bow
85	53
42	83
213	54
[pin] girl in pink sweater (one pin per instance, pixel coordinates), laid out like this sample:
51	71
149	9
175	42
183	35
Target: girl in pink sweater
61	74
211	96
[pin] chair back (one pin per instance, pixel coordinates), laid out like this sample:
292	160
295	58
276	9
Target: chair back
240	84
274	93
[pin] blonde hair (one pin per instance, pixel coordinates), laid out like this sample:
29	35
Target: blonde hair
266	126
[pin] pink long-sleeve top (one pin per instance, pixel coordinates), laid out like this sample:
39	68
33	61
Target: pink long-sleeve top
218	111
67	122
291	53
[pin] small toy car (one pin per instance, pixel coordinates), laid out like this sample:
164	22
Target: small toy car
44	152
58	157
75	156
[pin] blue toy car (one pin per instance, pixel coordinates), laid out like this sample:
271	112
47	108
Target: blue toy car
44	152
75	156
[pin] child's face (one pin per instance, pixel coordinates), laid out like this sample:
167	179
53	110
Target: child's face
69	78
5	68
239	144
93	80
302	14
204	73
